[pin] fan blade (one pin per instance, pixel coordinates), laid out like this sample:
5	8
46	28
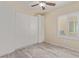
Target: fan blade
51	4
35	5
43	7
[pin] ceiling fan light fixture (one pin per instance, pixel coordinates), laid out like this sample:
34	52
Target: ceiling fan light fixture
42	4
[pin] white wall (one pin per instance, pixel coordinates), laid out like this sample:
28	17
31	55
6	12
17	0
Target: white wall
7	29
17	29
51	27
26	29
41	28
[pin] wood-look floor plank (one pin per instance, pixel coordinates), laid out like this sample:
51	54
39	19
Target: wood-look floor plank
42	50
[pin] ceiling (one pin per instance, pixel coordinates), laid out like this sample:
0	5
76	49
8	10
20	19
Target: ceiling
26	6
37	9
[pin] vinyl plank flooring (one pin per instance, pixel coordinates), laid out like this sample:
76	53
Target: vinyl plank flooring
42	50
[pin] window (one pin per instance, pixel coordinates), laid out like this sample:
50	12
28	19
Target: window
68	25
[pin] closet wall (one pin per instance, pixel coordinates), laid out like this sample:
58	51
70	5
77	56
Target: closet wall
19	30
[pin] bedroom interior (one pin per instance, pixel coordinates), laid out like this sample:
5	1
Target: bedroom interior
39	29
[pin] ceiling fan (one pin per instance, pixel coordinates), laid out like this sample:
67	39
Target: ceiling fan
43	4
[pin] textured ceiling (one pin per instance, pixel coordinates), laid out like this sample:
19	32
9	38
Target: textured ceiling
25	6
37	9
